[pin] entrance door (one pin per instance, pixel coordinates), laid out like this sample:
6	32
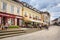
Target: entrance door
18	21
4	20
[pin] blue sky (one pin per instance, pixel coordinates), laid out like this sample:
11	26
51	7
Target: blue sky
52	6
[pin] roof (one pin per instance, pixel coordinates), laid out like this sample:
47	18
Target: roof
31	7
55	19
46	13
27	5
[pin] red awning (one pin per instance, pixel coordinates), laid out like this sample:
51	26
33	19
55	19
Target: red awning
7	15
10	15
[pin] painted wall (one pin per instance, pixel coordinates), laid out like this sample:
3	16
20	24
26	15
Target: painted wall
9	4
30	12
45	18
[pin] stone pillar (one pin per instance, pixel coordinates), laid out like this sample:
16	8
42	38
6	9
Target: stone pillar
0	20
15	21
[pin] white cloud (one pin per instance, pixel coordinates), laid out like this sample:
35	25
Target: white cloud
53	6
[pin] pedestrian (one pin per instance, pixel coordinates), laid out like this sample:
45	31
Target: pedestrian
2	27
40	26
46	26
6	26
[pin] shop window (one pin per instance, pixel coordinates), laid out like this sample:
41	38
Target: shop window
4	6
12	9
11	21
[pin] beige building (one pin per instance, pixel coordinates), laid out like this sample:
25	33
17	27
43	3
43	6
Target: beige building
45	18
19	13
10	12
31	15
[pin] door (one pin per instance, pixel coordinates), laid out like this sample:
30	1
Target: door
4	20
18	21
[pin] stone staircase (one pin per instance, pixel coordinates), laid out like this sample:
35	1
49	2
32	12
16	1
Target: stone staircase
16	32
9	33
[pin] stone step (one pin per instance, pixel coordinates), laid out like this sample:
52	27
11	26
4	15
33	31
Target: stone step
4	34
11	35
8	33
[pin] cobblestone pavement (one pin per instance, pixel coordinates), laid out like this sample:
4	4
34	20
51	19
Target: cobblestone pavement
52	34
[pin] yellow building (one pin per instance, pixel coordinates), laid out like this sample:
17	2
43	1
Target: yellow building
45	18
19	13
31	15
10	12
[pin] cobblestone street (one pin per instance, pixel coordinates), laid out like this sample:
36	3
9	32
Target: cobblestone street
52	34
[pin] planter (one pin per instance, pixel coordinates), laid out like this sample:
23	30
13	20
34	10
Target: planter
13	26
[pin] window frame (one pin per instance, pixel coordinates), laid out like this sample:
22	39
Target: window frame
18	10
25	14
4	6
12	8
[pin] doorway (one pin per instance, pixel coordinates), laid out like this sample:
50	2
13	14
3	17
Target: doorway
18	21
4	20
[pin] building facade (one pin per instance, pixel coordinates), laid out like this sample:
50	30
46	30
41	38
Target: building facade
45	18
31	15
10	12
56	21
19	13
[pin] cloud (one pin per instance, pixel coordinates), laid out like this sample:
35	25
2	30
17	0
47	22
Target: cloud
53	6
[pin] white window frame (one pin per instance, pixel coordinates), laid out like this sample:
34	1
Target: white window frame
18	10
25	14
4	6
12	9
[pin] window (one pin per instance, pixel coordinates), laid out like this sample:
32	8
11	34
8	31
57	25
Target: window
33	17
18	10
4	7
12	9
30	16
11	21
25	14
36	17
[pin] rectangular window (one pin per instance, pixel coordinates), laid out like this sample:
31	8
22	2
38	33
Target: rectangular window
25	14
33	17
18	10
39	18
36	17
11	21
30	16
4	6
12	9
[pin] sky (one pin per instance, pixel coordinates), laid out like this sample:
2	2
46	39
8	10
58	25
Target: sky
52	6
